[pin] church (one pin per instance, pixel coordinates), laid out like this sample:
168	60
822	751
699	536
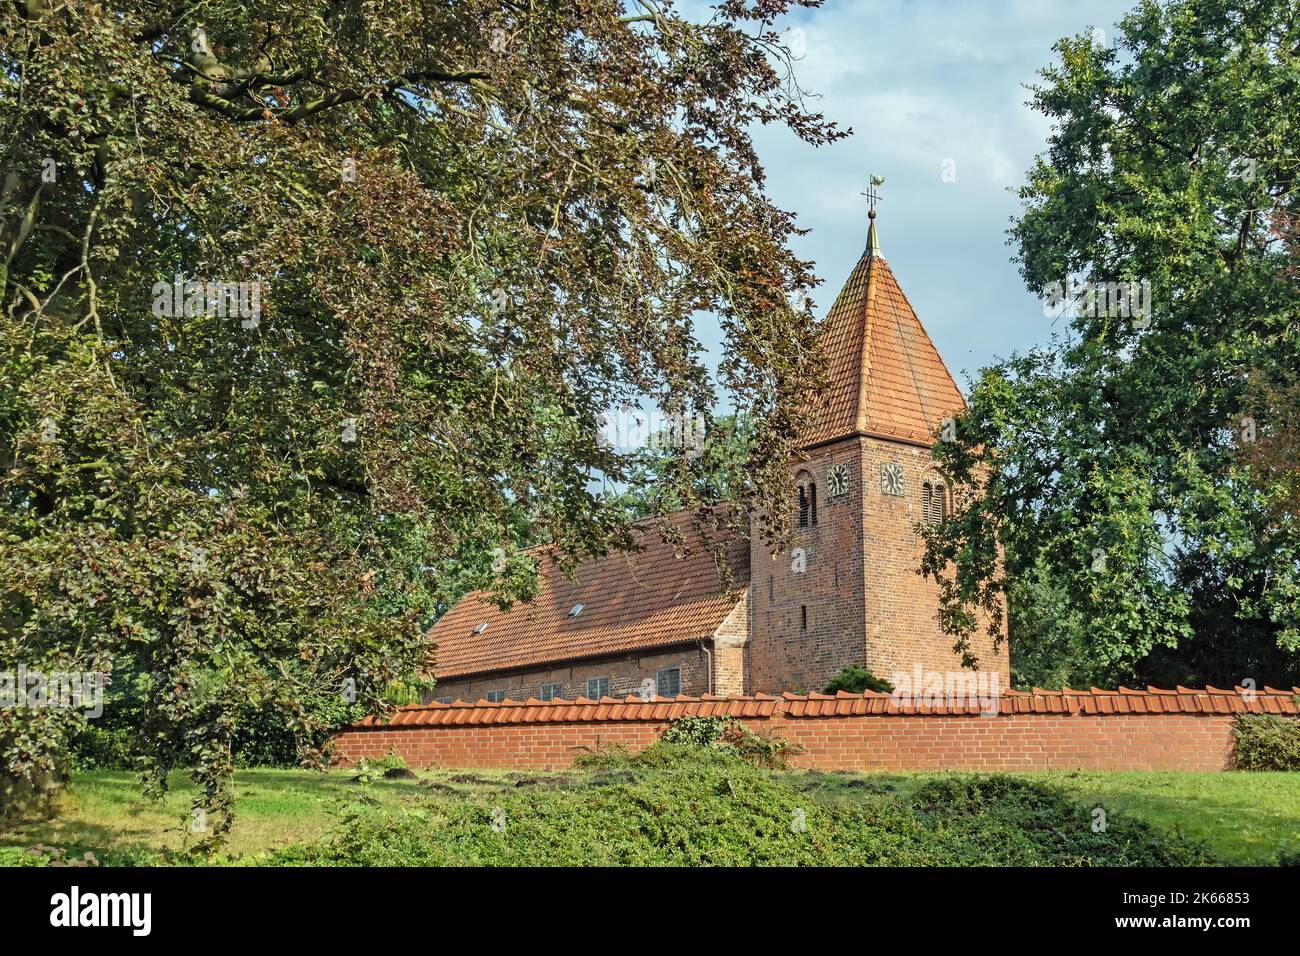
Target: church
665	623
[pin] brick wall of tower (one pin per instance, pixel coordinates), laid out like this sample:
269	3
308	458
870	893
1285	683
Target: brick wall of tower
902	631
784	654
859	589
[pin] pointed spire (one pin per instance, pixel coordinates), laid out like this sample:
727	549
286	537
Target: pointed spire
884	377
873	243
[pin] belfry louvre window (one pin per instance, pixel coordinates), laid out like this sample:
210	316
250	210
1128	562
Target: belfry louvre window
933	502
807	500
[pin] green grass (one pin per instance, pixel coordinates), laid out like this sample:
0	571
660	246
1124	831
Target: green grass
1242	818
104	812
683	805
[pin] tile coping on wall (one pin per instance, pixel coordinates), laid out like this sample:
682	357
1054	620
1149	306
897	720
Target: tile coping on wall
1095	701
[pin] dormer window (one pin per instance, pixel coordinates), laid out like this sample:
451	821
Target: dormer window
934	502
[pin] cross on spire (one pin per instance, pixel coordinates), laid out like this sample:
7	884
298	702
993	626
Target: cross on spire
873	197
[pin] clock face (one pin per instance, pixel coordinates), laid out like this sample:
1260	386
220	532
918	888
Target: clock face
837	480
891	479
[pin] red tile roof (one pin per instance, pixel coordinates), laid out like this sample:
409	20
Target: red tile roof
884	375
1153	700
631	601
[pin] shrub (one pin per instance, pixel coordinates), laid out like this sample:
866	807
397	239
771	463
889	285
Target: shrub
368	771
697	731
854	679
997	820
679	804
761	749
1267	742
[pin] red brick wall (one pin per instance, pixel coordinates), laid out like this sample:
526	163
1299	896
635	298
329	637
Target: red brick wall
902	627
730	641
857	583
1009	742
826	580
625	674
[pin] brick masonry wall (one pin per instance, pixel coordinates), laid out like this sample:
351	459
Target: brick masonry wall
902	629
857	586
730	643
1006	742
825	583
625	675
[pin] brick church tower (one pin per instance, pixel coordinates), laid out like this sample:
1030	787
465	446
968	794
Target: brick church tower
848	591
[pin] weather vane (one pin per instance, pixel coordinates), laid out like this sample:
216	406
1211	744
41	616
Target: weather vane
872	196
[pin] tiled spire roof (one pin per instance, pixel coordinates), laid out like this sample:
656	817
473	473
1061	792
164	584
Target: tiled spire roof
884	375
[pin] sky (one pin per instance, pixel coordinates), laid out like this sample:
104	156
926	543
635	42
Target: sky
927	86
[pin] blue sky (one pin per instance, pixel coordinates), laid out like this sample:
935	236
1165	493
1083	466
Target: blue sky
921	82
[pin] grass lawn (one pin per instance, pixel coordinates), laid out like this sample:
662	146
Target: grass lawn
1243	818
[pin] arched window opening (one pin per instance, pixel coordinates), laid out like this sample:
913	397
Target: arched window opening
934	502
807	503
812	497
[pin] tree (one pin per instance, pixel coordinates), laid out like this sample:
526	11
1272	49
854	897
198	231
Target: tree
712	467
1108	465
308	307
854	679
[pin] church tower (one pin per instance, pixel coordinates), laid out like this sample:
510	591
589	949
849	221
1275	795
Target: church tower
848	592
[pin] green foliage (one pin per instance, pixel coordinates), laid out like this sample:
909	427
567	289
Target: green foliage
470	230
766	750
695	731
367	771
1111	467
1267	742
1011	820
718	473
263	734
854	679
681	805
1244	818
